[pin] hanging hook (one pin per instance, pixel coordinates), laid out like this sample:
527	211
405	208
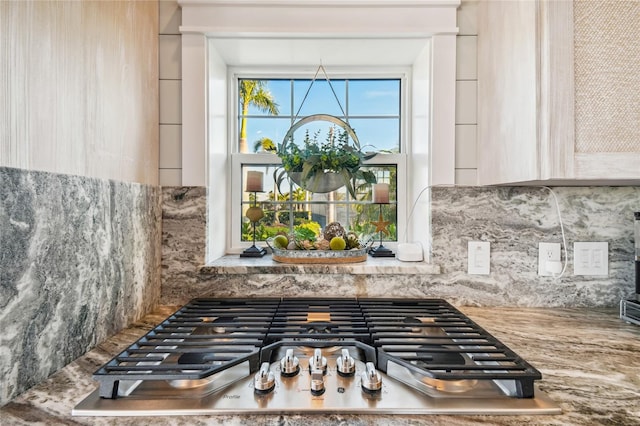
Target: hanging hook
326	77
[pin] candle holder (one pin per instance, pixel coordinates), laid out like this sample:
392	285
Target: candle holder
254	213
381	228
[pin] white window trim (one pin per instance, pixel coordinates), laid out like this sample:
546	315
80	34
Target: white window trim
217	34
234	243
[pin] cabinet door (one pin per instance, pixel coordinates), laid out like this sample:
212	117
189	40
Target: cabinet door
541	119
507	92
607	89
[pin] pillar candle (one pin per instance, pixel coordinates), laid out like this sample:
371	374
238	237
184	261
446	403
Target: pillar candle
254	181
381	193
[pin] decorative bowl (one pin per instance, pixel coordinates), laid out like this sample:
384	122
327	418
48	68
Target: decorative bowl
317	256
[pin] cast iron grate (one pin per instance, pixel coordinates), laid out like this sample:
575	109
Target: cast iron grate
427	336
432	338
200	339
314	321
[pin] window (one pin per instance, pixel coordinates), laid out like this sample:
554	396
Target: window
415	41
266	110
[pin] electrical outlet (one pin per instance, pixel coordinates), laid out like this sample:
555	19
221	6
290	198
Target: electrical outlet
591	258
478	257
548	253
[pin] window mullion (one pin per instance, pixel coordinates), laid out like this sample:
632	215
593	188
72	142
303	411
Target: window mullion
343	207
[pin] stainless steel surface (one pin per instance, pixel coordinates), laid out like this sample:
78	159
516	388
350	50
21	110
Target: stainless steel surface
293	395
630	311
311	355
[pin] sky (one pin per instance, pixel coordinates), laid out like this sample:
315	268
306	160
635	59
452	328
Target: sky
373	107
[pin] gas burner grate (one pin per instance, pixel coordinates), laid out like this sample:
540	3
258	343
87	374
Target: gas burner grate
433	339
428	338
200	339
310	322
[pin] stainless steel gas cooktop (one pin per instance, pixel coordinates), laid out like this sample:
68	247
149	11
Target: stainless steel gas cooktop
401	356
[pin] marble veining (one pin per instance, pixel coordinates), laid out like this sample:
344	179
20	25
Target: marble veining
79	261
587	357
513	219
184	224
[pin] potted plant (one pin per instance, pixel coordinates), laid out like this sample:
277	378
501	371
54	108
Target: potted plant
323	166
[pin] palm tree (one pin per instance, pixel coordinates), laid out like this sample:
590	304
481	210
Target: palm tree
264	144
254	92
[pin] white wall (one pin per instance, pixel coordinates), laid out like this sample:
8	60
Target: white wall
466	94
170	173
170	95
79	88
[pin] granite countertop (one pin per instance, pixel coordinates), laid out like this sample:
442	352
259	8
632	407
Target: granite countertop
589	359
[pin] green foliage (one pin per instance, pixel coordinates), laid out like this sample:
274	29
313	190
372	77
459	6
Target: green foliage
301	233
335	155
264	144
256	93
311	226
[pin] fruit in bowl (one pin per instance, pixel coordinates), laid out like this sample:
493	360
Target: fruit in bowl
281	242
333	238
337	243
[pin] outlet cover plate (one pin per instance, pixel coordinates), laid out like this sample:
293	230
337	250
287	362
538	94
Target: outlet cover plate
478	257
547	252
590	258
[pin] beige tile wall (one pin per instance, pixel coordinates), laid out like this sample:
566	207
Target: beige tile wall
170	97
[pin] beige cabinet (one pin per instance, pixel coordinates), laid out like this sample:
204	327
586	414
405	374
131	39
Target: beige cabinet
559	92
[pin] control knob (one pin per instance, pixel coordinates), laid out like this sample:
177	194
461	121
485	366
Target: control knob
318	362
264	380
317	382
346	364
371	380
289	364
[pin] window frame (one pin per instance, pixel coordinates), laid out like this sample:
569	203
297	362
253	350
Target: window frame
237	159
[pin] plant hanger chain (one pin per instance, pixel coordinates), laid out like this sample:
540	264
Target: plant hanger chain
326	77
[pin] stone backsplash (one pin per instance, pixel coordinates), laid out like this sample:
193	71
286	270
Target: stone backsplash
513	219
79	261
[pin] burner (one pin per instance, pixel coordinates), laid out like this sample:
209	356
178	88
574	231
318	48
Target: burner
195	358
439	358
319	327
313	332
199	359
424	325
220	329
442	358
413	320
427	346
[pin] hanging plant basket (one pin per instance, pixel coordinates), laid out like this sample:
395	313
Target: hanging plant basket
320	183
323	167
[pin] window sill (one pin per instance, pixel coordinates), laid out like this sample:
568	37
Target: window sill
235	265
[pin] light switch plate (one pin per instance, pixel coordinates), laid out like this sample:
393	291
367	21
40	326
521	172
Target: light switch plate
478	257
590	258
